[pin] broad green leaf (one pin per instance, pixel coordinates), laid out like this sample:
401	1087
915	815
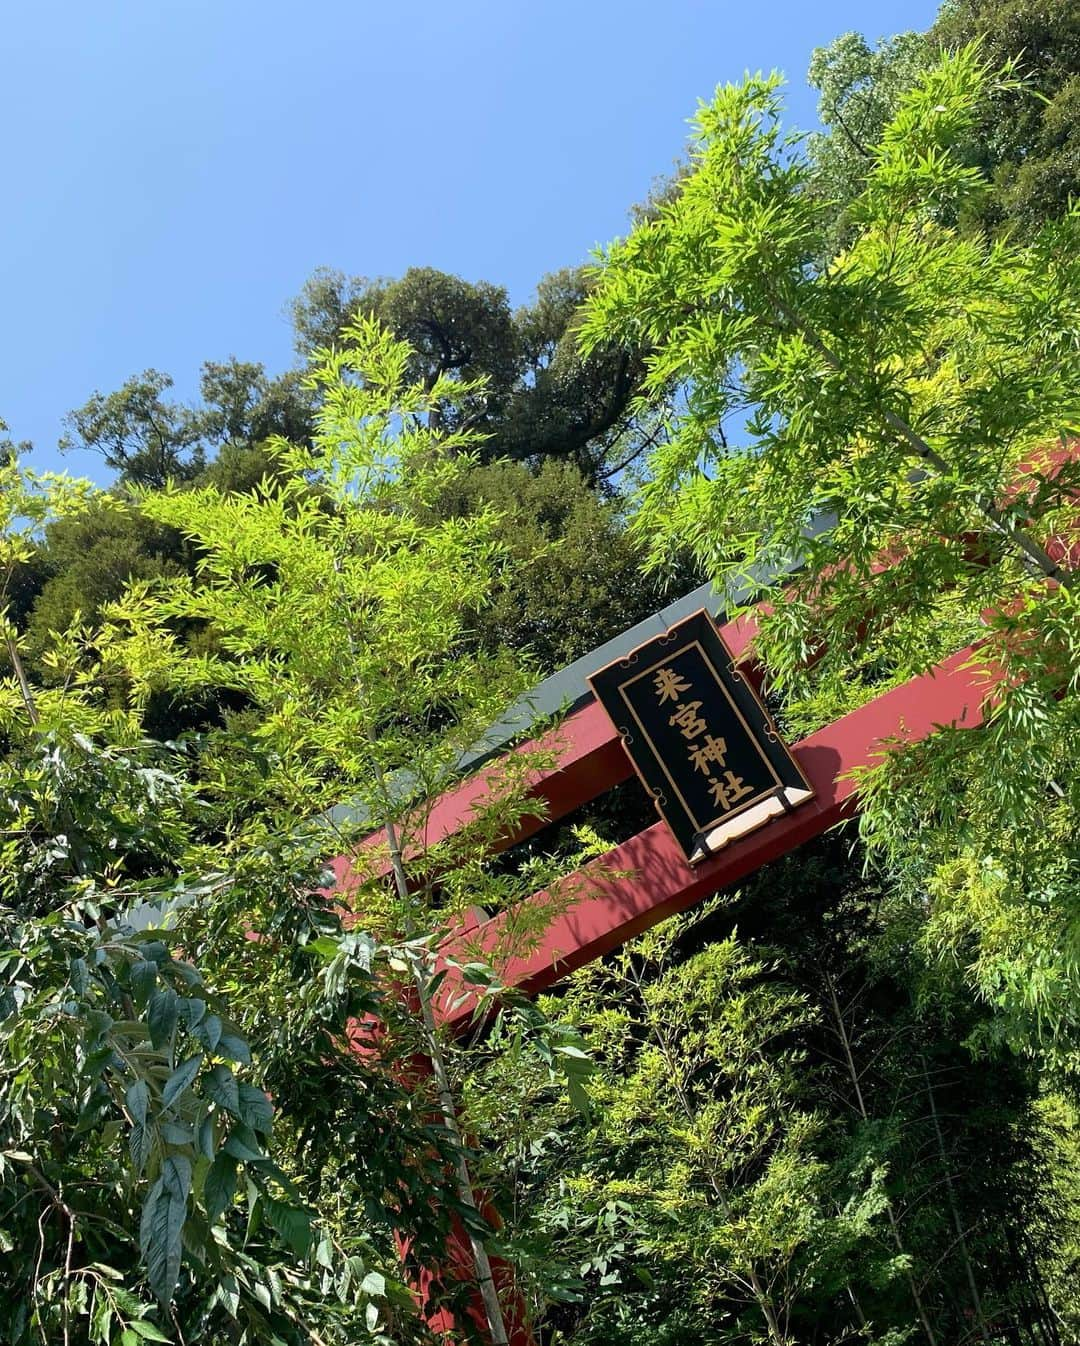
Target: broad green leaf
140	1144
208	1032
373	1284
220	1185
180	1079
138	1097
101	1316
151	948
206	1137
291	1222
80	976
255	1108
242	1144
162	1015
192	1010
233	1048
147	1330
143	976
220	1084
327	949
229	1294
162	1226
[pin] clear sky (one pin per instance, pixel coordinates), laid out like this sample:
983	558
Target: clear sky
173	170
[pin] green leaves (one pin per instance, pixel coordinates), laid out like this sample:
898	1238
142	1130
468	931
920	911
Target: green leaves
162	1224
242	1144
233	1047
162	1016
143	979
693	1188
140	1327
208	1032
220	1185
179	1080
220	1085
141	1139
73	985
254	1108
292	1223
337	600
898	424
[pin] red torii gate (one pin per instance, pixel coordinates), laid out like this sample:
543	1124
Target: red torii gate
589	759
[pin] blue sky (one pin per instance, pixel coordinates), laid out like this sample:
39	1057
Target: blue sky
173	171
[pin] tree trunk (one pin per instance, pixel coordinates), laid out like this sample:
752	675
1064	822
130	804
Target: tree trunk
21	678
958	1225
481	1262
860	1103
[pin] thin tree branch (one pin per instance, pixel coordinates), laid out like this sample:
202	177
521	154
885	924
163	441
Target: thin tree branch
1030	548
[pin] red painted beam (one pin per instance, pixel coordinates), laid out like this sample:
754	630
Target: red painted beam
589	760
658	880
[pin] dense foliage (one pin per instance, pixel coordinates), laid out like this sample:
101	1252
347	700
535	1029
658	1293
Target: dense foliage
329	587
135	1094
787	1127
1024	137
920	389
839	1105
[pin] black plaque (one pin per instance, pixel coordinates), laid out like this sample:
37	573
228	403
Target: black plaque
704	746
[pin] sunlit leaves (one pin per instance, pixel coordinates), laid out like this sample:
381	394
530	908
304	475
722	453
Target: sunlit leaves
899	422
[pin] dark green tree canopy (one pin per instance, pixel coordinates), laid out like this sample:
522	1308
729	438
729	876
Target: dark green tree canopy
1028	147
543	397
149	439
86	560
577	577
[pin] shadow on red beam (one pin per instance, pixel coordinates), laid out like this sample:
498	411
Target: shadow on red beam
590	760
658	882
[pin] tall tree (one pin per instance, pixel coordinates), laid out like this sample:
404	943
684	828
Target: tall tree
577	577
131	1102
706	1155
1026	146
860	87
922	388
81	562
335	603
149	440
542	397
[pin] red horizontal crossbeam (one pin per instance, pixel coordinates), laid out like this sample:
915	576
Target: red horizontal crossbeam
589	760
657	879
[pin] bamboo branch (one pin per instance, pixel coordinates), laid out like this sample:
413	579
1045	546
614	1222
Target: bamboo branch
21	678
904	431
890	1211
976	1298
484	1277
